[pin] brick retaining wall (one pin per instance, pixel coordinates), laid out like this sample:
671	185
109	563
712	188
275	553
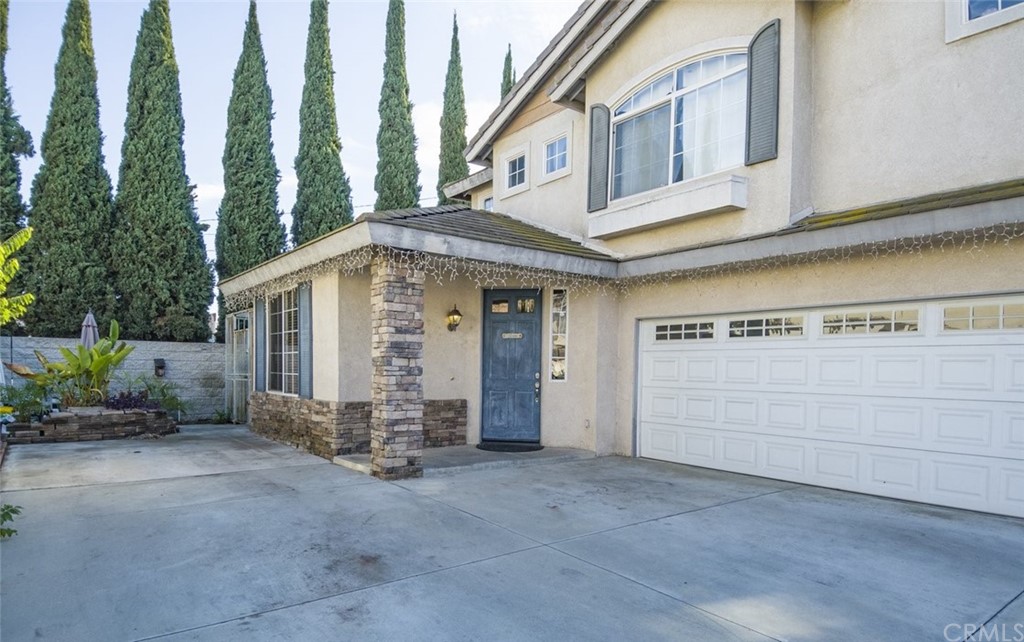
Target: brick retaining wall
329	428
92	426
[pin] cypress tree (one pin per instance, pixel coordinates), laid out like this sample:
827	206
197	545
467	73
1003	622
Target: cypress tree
163	279
323	201
397	181
249	229
508	74
15	141
67	260
452	165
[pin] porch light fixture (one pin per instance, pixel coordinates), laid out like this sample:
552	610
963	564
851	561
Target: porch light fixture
159	367
454	318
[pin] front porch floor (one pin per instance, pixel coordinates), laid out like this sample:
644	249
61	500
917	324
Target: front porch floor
451	459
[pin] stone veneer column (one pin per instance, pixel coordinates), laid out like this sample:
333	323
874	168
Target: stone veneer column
396	420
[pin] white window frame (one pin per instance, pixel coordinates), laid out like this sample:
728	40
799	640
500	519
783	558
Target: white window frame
546	176
511	155
551	336
958	26
670	100
294	292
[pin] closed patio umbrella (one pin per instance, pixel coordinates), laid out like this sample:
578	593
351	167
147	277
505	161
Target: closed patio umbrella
90	331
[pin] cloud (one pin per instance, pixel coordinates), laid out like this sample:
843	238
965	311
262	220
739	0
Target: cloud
209	192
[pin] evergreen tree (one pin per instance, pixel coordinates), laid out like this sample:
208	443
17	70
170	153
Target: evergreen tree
15	141
163	279
323	201
508	74
452	166
72	213
397	181
249	229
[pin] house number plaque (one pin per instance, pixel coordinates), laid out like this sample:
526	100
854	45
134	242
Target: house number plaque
511	335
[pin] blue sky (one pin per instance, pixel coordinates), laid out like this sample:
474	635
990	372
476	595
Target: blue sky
208	40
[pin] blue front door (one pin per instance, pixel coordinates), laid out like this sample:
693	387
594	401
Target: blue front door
511	372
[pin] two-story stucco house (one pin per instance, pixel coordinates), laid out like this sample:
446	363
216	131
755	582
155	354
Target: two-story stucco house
783	238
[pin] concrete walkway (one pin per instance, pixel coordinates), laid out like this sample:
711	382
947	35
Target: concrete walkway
216	534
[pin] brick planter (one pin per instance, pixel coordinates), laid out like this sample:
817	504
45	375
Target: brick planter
329	428
323	428
92	424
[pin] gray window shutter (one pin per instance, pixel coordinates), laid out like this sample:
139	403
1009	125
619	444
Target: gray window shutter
597	184
763	95
259	335
306	340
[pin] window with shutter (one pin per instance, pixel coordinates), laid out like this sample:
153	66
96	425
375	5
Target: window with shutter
686	123
283	343
597	182
260	347
305	311
763	95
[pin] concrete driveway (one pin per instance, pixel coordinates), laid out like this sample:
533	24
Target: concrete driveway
217	534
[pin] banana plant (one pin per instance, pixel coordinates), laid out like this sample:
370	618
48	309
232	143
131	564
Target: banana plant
83	378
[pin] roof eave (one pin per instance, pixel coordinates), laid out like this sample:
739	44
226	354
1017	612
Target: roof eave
383	233
341	241
478	149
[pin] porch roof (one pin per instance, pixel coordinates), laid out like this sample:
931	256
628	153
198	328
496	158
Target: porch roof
447	230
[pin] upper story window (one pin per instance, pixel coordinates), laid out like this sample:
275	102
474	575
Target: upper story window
517	171
489	204
969	17
556	155
686	123
283	335
979	8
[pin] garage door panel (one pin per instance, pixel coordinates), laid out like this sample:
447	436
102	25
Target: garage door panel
933	415
1014	431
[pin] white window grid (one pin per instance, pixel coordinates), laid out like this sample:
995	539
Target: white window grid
767	327
283	343
697	330
983	316
559	334
517	171
556	155
871	321
674	101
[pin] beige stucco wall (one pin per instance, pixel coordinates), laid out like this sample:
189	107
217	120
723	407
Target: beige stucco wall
669	34
326	308
341	336
451	360
932	273
552	202
875	106
898	112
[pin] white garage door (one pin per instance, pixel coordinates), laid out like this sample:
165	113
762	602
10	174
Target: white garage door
918	401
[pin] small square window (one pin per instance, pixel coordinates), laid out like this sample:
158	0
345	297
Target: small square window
489	204
517	171
556	155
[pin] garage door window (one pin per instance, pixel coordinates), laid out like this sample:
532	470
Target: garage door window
770	327
987	316
685	331
870	321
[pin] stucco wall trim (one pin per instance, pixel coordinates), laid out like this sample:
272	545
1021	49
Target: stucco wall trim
706	195
960	219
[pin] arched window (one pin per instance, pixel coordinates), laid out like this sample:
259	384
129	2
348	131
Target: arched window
688	122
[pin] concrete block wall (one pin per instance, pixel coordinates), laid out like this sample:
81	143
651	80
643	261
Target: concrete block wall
196	368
